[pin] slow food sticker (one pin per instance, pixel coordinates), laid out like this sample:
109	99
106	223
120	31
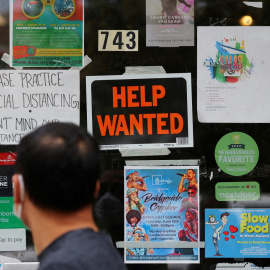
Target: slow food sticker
236	153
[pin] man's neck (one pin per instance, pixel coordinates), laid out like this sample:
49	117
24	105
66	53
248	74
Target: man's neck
47	226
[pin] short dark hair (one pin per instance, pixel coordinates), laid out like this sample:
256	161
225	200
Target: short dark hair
224	214
60	164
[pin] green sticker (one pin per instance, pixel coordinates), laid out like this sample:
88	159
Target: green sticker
238	191
236	153
7	218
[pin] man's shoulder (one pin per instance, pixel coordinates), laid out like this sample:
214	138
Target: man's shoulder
82	248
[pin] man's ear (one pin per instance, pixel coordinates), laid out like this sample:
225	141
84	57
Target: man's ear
16	189
97	189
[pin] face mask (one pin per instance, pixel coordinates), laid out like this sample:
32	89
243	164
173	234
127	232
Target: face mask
17	207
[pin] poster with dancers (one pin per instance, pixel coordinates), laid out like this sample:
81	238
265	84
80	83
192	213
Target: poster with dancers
162	205
169	23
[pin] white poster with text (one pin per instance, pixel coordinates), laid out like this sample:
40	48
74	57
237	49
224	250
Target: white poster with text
233	76
29	99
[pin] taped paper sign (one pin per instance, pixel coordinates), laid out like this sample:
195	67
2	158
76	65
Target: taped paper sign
140	111
29	99
46	33
237	233
12	239
162	206
232	74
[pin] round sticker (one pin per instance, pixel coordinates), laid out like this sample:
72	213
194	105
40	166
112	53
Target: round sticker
236	153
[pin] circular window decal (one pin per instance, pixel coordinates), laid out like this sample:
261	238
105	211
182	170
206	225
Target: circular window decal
236	153
32	8
64	9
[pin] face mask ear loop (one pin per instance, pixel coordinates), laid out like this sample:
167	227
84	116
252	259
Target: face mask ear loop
20	178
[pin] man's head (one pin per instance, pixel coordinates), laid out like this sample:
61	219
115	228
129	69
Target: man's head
59	164
192	191
191	174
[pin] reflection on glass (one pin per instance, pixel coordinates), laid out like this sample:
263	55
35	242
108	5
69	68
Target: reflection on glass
246	20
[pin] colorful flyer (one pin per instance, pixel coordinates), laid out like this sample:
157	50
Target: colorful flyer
237	233
162	205
46	33
7	169
236	153
169	23
232	74
140	111
29	99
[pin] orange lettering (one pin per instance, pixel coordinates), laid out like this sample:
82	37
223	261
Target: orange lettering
107	124
121	97
156	95
143	102
161	123
135	123
132	96
149	118
173	117
121	125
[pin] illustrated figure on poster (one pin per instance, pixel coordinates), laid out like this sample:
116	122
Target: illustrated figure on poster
133	217
136	181
190	176
140	236
134	203
183	251
192	201
191	225
216	235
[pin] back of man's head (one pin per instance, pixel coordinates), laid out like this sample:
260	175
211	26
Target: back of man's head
60	165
